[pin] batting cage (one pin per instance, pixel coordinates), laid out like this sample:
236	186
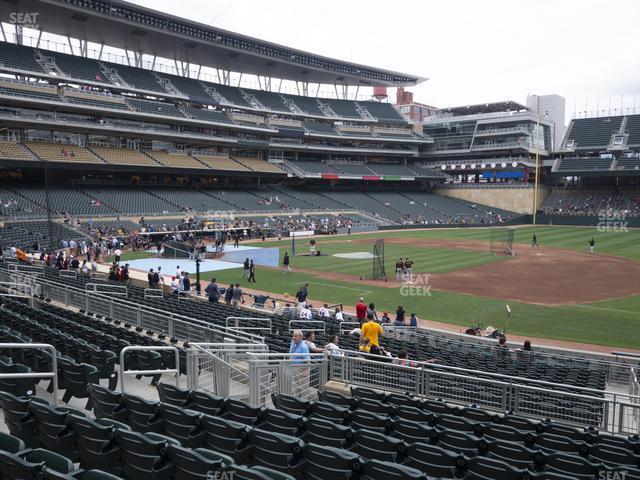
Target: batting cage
378	261
501	242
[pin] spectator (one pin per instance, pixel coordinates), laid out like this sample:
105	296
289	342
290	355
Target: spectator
502	341
371	310
118	254
237	296
174	285
299	347
228	294
332	347
310	339
361	311
338	314
150	277
365	346
526	353
260	300
213	291
372	331
324	311
186	283
403	359
399	322
385	318
413	320
305	313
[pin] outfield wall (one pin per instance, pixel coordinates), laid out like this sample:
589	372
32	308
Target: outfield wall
517	200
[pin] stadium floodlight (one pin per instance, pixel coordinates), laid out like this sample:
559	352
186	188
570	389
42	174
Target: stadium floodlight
493	164
514	164
473	166
443	167
504	164
483	165
453	167
463	166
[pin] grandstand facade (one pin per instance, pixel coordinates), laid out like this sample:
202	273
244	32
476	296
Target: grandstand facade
105	138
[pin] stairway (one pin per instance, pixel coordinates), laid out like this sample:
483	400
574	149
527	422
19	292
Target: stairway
364	113
253	101
113	75
167	85
48	64
213	93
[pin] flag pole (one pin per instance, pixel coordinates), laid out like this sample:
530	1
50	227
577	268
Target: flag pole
537	175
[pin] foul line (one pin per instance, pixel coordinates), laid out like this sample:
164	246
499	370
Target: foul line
334	286
603	308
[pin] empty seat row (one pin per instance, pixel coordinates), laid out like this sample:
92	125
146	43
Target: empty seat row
114	447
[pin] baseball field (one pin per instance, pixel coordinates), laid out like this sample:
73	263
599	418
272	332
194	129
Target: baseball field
556	291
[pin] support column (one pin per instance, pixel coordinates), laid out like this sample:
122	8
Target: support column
19	35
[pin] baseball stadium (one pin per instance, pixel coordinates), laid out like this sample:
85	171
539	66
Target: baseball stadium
227	258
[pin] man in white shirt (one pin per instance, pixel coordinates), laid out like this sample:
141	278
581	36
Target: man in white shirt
339	315
14	251
332	347
305	313
118	254
324	311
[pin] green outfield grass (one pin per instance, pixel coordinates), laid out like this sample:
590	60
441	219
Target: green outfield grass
614	322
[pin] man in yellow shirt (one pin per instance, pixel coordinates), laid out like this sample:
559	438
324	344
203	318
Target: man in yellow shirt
371	330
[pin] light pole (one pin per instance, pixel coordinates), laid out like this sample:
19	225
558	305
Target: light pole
537	175
198	287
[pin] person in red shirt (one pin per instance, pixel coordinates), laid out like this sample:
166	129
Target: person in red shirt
361	311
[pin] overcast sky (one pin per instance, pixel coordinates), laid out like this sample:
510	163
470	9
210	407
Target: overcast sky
472	51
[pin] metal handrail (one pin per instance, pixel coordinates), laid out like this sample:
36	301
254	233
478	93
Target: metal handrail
131	348
188	321
53	375
111	290
17	289
477	374
153	293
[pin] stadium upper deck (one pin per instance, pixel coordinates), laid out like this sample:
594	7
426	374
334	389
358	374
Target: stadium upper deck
601	147
131	27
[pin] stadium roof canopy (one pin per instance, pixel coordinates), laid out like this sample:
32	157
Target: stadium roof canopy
120	24
506	106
